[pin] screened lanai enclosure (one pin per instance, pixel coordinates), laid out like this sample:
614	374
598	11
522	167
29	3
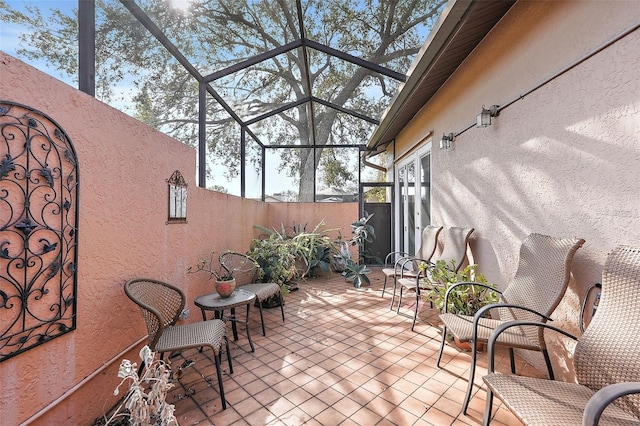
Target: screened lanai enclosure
278	97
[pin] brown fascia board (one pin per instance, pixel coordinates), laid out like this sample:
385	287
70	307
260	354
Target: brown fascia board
410	97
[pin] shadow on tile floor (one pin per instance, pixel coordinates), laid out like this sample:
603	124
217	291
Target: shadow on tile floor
341	357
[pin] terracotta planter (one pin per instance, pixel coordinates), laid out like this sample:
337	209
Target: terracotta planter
225	288
466	346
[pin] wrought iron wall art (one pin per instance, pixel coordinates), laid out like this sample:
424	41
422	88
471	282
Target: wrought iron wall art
38	229
177	198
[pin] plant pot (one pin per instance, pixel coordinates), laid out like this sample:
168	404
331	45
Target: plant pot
270	302
225	288
466	346
338	263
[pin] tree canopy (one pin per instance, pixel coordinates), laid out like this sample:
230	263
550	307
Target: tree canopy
214	35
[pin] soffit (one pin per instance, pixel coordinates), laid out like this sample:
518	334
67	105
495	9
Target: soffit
461	27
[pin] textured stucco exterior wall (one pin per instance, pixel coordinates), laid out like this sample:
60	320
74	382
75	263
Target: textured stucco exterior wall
561	161
336	216
123	167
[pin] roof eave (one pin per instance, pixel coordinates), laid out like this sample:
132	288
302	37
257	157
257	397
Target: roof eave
447	28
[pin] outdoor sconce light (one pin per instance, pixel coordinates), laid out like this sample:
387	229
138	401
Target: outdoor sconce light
484	118
177	198
445	142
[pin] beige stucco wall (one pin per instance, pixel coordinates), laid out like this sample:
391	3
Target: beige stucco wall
123	167
561	161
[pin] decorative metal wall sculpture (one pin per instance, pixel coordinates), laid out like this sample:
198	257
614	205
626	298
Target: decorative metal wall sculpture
38	229
177	198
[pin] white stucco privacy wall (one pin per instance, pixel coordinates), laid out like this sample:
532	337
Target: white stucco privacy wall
562	160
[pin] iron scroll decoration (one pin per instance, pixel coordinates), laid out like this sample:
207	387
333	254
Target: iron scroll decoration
38	230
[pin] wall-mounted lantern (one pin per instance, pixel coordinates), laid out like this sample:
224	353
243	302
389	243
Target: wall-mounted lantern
484	118
177	198
445	142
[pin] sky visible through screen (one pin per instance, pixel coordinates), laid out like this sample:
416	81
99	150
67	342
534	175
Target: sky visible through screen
10	43
9	33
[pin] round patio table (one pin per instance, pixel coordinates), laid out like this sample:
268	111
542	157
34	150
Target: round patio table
213	302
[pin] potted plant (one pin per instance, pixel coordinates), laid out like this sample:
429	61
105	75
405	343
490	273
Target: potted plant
294	252
225	283
312	250
276	257
145	402
462	299
356	271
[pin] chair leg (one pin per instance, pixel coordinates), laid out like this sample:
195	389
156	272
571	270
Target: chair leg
399	300
282	306
487	409
217	358
261	317
415	313
226	341
444	338
547	360
472	373
512	360
384	286
393	295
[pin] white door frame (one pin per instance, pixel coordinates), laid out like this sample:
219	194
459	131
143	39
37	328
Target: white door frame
402	236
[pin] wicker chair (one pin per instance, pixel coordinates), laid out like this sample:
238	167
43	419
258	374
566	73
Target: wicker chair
400	264
455	247
606	361
245	271
161	305
539	284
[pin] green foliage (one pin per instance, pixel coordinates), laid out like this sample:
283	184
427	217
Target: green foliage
336	170
357	274
361	232
312	250
463	299
376	195
276	257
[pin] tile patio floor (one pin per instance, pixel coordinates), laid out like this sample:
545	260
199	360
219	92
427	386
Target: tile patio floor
340	358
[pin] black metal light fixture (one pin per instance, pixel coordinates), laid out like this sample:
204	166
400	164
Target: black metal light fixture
484	118
445	142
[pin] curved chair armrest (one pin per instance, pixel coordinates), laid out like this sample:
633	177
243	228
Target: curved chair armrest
420	274
401	262
486	308
502	327
452	286
394	253
605	396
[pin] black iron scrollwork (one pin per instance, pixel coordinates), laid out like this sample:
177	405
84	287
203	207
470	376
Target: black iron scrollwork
38	229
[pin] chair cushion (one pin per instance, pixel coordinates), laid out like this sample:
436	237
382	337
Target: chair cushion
550	402
262	290
390	272
461	326
193	335
410	283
